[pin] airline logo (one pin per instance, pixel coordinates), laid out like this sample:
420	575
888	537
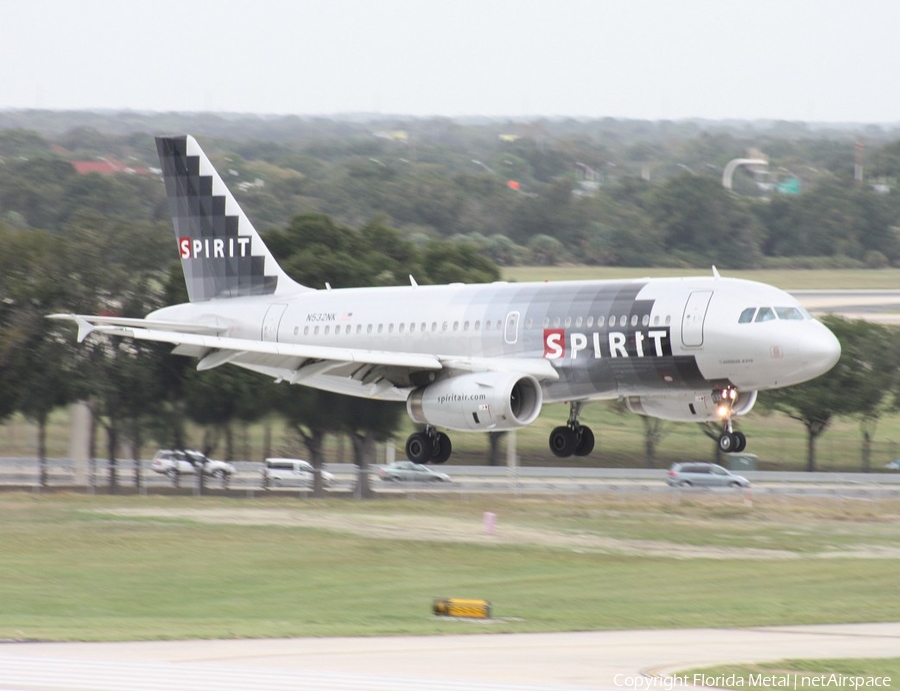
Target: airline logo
213	248
612	344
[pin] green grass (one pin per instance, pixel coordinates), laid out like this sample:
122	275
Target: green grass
801	672
72	569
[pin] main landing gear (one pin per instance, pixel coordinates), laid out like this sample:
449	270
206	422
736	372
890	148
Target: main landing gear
573	438
729	441
429	446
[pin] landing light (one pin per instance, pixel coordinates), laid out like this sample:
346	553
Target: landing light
722	411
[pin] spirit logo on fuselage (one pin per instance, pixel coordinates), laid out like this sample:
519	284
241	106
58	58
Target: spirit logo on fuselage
599	344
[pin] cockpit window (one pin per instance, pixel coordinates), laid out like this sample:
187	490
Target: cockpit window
796	313
747	315
765	314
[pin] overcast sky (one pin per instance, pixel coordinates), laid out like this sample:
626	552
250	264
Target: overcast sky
812	60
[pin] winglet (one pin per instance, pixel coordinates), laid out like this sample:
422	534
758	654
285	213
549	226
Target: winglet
715	272
85	328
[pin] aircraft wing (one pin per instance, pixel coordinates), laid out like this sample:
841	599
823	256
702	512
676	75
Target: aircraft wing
295	362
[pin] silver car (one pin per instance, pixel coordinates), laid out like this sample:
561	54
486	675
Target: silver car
292	472
410	472
703	475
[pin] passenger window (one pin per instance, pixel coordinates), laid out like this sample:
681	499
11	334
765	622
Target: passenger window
412	327
568	322
600	320
556	323
546	322
369	329
359	328
466	326
577	322
390	328
434	326
590	322
316	331
634	319
327	330
645	320
444	326
477	325
306	331
747	315
456	326
765	314
402	327
380	328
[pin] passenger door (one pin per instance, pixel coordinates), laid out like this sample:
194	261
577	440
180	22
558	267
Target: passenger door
694	315
271	322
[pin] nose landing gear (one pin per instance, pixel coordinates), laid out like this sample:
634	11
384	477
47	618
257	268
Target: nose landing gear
573	438
729	441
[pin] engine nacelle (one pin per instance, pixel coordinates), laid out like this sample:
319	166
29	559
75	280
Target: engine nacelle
484	401
691	407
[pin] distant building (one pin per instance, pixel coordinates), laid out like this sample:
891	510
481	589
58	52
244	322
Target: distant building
106	167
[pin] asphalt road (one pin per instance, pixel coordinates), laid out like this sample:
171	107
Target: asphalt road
478	662
880	305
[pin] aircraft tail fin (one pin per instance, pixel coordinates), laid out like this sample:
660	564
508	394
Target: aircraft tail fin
222	255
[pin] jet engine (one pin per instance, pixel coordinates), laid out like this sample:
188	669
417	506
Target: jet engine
484	401
691	407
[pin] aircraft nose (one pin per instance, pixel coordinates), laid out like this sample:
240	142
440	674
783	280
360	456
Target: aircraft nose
821	350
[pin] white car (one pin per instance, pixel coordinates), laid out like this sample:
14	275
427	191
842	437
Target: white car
174	463
292	472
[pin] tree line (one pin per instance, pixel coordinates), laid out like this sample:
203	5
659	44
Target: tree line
620	193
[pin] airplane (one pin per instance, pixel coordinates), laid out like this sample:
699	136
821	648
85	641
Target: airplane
483	357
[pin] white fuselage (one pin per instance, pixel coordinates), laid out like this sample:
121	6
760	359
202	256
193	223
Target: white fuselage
606	339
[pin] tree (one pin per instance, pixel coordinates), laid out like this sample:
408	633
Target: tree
701	222
855	386
367	421
312	415
36	363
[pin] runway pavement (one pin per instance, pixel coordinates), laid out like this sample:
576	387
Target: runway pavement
478	662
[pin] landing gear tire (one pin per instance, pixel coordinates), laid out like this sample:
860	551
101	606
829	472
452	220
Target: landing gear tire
585	442
732	442
563	441
419	447
726	442
442	448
